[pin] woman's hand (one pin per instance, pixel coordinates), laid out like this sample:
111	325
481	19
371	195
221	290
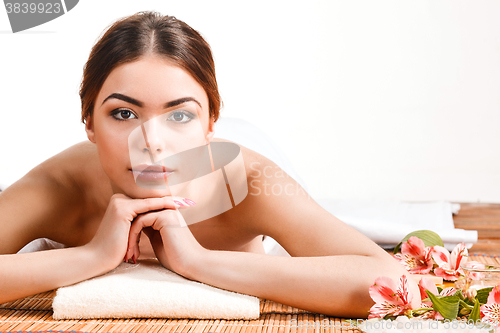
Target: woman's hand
111	239
173	243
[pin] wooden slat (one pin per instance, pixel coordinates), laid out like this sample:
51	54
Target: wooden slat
479	209
485	218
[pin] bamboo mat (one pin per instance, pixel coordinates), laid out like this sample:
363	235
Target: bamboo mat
34	314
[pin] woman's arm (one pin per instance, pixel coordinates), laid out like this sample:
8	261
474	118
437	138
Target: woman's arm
331	268
331	285
34	200
27	274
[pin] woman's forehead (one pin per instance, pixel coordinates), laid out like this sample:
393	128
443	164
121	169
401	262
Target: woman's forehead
154	81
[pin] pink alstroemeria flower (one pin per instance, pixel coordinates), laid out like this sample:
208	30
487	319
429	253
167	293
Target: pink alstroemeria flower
490	312
390	299
427	284
449	265
415	256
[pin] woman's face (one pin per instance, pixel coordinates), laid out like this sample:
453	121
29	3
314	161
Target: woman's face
147	111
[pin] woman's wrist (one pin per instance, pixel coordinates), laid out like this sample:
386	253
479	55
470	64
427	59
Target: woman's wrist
96	262
191	264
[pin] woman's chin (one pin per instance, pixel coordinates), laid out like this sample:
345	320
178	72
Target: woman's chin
146	193
138	192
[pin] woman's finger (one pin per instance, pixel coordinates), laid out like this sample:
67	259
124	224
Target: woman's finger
141	222
136	252
155	220
140	206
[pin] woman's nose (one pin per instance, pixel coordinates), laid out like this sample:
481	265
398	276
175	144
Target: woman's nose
155	140
148	149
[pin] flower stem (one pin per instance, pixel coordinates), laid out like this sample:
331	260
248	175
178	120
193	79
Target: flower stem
420	311
465	305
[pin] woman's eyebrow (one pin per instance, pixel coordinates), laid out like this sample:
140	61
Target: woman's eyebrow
124	98
181	101
167	105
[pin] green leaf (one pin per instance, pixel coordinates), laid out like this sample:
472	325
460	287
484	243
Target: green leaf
482	294
447	306
430	238
351	322
475	313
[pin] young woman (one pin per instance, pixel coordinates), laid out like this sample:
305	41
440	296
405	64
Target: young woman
149	71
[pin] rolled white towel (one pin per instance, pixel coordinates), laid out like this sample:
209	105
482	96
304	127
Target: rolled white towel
148	290
387	222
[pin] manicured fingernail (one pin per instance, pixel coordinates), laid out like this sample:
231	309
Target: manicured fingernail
189	201
179	203
133	259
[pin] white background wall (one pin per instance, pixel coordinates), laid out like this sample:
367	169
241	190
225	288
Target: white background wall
369	99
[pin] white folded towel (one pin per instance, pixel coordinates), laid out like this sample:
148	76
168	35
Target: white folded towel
148	290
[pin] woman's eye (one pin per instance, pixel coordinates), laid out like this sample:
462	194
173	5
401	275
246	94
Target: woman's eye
123	114
180	117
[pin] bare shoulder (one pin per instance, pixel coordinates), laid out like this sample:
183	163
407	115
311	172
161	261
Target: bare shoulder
46	200
254	162
266	183
65	163
76	170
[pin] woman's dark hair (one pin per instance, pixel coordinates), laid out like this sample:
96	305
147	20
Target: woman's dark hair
149	32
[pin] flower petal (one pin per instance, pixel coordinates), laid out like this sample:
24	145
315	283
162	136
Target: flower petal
427	284
440	255
458	256
494	296
448	291
414	246
446	274
383	290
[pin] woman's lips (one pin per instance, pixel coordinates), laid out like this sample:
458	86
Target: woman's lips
151	173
